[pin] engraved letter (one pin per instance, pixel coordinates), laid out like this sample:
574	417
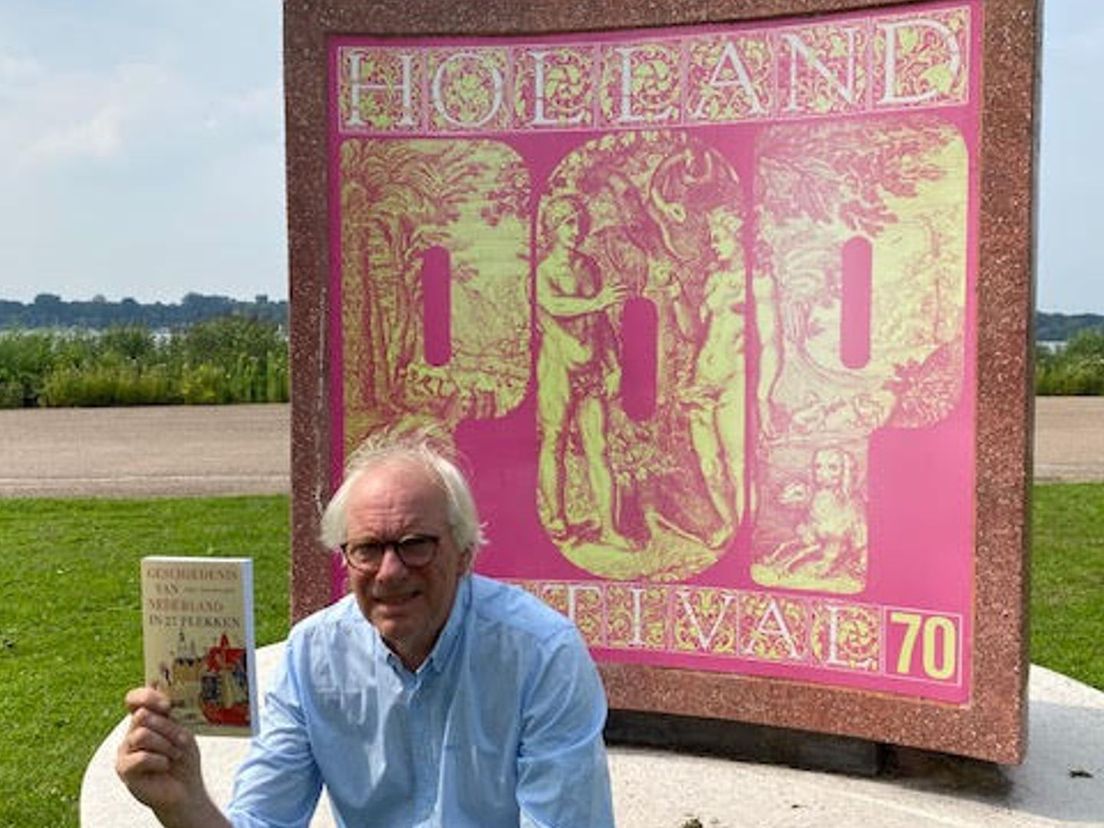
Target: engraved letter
357	86
778	628
954	62
743	79
797	46
703	638
575	589
627	116
539	118
496	84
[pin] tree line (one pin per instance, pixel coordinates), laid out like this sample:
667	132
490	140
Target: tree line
49	310
1061	327
212	349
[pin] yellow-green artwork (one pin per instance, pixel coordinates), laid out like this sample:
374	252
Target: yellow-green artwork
697	306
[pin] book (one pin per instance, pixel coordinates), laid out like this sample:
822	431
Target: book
197	626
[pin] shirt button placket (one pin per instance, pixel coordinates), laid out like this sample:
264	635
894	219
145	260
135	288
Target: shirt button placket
422	755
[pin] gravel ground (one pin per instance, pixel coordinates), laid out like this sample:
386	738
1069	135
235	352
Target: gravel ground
243	449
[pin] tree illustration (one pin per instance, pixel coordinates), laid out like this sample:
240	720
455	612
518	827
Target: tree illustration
399	199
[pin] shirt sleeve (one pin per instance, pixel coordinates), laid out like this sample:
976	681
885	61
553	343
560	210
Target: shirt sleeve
279	783
563	778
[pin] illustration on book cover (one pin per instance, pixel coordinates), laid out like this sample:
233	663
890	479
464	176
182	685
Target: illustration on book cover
197	623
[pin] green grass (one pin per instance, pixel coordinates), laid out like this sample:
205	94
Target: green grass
224	360
70	638
1067	583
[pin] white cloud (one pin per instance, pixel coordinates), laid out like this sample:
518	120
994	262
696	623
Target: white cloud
140	148
14	69
55	116
254	110
259	101
99	136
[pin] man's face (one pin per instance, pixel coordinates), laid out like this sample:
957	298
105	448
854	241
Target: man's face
408	606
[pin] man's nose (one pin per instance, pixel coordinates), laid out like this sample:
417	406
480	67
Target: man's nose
391	565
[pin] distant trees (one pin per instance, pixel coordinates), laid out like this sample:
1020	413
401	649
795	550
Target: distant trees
48	310
1061	327
220	350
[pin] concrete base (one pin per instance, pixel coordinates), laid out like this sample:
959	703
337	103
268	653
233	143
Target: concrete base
1061	781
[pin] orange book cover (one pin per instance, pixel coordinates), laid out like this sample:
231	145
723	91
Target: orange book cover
197	624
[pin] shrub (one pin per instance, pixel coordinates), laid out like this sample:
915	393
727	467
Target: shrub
227	360
1077	370
25	359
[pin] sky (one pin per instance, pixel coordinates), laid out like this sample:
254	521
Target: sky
142	151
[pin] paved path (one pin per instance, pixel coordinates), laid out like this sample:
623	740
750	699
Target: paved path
143	451
243	449
1069	438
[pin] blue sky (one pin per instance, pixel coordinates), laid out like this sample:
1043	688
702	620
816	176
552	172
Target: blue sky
141	150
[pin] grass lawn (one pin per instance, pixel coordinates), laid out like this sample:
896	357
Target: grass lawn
70	638
70	628
1067	581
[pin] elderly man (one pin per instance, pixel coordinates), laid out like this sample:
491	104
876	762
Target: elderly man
429	696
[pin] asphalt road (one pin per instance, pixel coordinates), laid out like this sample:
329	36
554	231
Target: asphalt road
243	449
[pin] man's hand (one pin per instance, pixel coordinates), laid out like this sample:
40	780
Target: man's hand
158	761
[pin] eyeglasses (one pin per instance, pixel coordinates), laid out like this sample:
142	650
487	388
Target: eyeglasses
413	550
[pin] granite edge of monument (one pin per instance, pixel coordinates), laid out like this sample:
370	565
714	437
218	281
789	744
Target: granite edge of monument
993	725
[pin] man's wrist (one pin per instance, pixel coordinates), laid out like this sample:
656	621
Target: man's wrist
203	813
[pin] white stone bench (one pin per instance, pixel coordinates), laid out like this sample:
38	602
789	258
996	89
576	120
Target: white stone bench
1062	780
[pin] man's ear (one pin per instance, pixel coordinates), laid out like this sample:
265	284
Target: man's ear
467	559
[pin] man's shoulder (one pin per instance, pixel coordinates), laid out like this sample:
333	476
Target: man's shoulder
337	615
511	609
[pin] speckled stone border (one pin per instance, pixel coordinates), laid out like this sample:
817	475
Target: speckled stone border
993	725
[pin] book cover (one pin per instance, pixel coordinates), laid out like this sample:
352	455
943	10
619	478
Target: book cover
197	624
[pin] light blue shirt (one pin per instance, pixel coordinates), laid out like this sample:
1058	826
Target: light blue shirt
500	726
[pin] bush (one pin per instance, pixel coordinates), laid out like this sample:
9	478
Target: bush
205	384
130	342
25	359
229	360
105	385
1077	370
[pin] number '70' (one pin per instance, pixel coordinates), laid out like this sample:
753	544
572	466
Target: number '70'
938	637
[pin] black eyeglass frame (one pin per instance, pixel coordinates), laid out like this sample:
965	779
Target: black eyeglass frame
402	547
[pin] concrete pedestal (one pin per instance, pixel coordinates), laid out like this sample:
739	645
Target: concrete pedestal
1061	781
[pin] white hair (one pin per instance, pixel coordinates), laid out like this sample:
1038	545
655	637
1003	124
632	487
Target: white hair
429	452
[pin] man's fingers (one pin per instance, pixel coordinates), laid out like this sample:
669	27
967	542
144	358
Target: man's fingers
136	763
141	697
150	740
144	717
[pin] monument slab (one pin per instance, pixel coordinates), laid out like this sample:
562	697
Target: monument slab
728	306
